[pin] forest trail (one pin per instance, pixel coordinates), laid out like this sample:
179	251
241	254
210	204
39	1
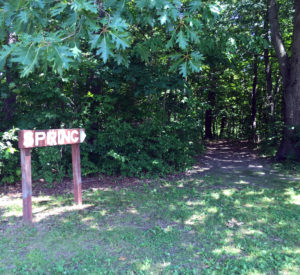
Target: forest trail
230	156
240	163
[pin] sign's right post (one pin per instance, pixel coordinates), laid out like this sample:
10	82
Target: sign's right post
76	173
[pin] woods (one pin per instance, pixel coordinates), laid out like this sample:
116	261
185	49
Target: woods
149	137
150	81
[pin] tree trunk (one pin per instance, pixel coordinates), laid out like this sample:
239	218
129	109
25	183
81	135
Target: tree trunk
290	72
253	100
208	123
269	86
209	113
223	125
268	76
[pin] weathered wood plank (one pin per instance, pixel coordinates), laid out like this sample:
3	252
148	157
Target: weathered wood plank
26	185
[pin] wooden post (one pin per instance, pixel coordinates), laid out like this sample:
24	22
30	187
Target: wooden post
26	184
76	173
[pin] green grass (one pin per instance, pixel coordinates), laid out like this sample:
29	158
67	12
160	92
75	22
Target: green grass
199	225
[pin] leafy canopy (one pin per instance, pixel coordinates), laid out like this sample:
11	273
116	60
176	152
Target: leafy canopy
59	34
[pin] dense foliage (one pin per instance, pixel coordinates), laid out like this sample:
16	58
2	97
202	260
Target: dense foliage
148	80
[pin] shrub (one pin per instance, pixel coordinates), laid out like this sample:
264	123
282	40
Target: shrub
123	148
10	169
120	148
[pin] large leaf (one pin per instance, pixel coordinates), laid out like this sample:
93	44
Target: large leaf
87	5
23	16
58	8
183	69
6	51
60	56
104	49
181	40
27	57
119	24
197	56
170	43
94	40
163	18
121	58
121	39
195	5
194	65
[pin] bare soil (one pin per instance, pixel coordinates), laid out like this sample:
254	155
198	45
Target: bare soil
229	156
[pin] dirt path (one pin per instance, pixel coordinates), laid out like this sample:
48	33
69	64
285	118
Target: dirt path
240	163
226	156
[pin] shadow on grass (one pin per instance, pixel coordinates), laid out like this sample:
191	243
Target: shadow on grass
167	227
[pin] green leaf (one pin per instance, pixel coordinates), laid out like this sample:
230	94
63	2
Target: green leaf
94	40
121	58
174	12
170	43
23	55
195	5
177	59
60	57
194	65
193	36
181	40
76	51
58	9
120	39
143	3
87	5
64	54
183	69
29	67
196	56
118	24
23	16
163	18
104	49
5	52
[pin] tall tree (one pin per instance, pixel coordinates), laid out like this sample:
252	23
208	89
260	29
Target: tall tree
290	71
253	99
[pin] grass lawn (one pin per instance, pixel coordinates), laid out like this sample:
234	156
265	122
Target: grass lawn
209	224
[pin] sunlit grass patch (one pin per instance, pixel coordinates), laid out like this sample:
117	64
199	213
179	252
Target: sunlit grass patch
231	250
162	227
294	196
11	207
196	218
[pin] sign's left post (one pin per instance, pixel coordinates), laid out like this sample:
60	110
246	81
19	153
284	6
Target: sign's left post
26	184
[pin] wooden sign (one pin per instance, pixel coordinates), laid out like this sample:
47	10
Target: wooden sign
38	138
